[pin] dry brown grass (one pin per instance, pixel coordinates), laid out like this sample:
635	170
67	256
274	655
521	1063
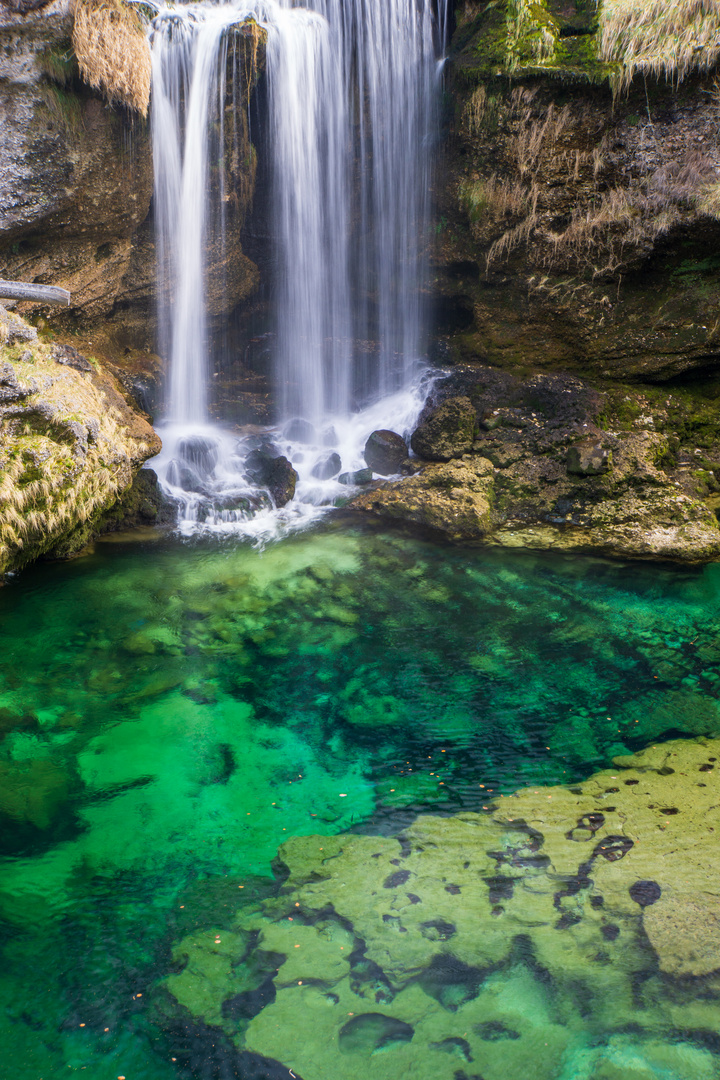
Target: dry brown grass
487	202
667	38
623	219
113	51
708	200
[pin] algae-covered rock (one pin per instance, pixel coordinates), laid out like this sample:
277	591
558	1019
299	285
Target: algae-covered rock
491	942
643	834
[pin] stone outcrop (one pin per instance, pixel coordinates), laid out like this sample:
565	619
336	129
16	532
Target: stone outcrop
578	222
559	463
70	445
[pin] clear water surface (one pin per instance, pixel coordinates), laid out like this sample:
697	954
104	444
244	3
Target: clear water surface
172	711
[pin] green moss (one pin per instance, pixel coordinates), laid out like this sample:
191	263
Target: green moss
512	37
59	64
62	108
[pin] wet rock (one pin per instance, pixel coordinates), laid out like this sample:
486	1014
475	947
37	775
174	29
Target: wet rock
353	479
588	460
200	453
327	467
299	430
448	432
385	451
180	475
274	473
144	503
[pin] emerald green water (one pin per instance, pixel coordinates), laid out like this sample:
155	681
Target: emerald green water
170	713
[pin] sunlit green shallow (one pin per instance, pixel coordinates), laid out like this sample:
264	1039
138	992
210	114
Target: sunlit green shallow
173	712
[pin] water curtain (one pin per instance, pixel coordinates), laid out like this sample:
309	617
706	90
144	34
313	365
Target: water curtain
352	92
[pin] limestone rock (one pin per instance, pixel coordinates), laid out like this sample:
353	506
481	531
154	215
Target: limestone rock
70	445
538	473
447	432
455	498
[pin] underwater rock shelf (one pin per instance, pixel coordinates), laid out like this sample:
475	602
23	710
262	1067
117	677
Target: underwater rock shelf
491	940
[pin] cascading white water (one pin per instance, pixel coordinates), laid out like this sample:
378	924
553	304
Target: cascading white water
352	125
352	89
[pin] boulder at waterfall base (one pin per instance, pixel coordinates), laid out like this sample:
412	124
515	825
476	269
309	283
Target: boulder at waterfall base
274	473
385	452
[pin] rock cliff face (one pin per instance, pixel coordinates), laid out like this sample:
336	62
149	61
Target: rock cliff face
70	446
77	180
579	223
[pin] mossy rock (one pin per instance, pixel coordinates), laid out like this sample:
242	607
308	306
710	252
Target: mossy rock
448	432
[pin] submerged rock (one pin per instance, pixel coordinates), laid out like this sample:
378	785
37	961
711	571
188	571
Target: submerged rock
487	938
385	451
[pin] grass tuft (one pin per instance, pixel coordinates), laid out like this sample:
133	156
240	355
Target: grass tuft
113	51
663	38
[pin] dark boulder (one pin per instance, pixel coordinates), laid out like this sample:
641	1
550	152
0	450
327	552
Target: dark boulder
199	453
385	452
351	479
274	473
448	432
299	430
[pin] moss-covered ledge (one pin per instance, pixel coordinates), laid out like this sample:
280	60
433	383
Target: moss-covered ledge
70	446
555	461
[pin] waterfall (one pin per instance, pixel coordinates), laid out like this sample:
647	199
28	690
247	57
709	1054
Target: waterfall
352	125
352	87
